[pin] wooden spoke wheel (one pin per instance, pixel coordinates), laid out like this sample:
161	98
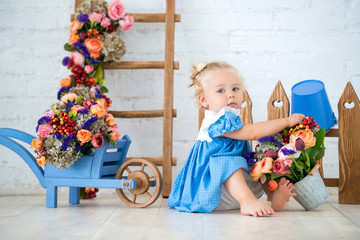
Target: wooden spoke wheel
150	186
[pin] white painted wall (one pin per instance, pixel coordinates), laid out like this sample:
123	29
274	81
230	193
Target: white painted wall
267	40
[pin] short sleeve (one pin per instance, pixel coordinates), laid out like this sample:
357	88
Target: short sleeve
228	122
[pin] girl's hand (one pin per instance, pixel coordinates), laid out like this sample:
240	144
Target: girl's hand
295	119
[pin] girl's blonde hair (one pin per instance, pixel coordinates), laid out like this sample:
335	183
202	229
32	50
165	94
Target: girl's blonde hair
199	72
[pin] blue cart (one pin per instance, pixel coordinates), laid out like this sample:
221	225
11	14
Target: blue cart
106	168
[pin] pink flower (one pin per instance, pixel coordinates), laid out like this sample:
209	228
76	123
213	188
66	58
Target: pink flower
127	23
77	58
41	151
93	91
44	131
87	103
96	17
288	162
49	114
97	140
89	69
116	10
105	22
279	167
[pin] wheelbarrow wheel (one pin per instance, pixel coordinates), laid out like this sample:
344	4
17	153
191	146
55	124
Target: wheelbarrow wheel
144	182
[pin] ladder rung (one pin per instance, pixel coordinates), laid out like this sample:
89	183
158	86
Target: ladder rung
146	17
152	17
140	114
156	161
139	65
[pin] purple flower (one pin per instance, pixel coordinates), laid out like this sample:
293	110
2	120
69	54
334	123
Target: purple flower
249	156
66	61
58	135
69	105
63	89
43	119
98	93
288	152
83	111
270	139
88	123
83	18
67	142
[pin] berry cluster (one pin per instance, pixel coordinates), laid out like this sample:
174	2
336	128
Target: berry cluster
90	192
307	123
108	101
63	124
80	75
92	32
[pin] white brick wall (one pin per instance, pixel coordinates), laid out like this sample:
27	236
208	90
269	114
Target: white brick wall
266	40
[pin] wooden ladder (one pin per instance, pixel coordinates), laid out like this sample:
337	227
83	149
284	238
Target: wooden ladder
168	113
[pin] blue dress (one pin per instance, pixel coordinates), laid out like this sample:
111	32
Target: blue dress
211	162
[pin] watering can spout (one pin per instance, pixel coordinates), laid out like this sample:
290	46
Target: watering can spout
5	139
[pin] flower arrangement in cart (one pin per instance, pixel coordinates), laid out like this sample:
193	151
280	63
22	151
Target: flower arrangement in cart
291	153
80	122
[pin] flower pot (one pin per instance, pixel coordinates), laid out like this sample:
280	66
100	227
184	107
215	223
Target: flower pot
311	191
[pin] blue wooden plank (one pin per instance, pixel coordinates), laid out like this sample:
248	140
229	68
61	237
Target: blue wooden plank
109	170
97	183
113	156
80	169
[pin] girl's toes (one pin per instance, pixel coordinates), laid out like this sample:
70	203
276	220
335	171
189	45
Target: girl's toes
282	181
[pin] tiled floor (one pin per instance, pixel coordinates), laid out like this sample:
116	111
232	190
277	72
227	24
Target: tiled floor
106	217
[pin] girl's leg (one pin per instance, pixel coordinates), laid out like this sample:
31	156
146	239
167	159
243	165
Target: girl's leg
249	204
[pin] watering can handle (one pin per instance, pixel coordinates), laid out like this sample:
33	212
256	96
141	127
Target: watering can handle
5	139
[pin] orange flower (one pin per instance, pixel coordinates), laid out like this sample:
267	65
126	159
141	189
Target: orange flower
272	185
98	110
73	39
41	161
93	45
69	97
110	120
102	102
114	136
75	26
77	108
266	165
306	135
95	55
36	143
255	172
65	82
84	135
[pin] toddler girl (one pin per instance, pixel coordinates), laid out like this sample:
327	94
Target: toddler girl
215	175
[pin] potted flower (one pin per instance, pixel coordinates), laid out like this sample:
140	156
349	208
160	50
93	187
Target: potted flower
294	154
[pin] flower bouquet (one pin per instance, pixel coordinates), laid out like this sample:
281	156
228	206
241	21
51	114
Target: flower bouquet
80	122
294	154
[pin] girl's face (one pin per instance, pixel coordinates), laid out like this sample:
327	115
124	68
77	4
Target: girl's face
220	88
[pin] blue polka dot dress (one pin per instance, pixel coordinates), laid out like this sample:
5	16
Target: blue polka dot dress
211	162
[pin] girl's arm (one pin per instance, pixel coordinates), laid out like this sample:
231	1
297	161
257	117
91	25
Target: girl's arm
264	129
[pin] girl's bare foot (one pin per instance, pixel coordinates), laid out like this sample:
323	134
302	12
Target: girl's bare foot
255	207
282	194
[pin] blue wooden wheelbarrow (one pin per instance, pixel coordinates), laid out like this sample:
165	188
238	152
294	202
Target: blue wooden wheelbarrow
106	168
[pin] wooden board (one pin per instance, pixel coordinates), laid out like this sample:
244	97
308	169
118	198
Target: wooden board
278	96
349	147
